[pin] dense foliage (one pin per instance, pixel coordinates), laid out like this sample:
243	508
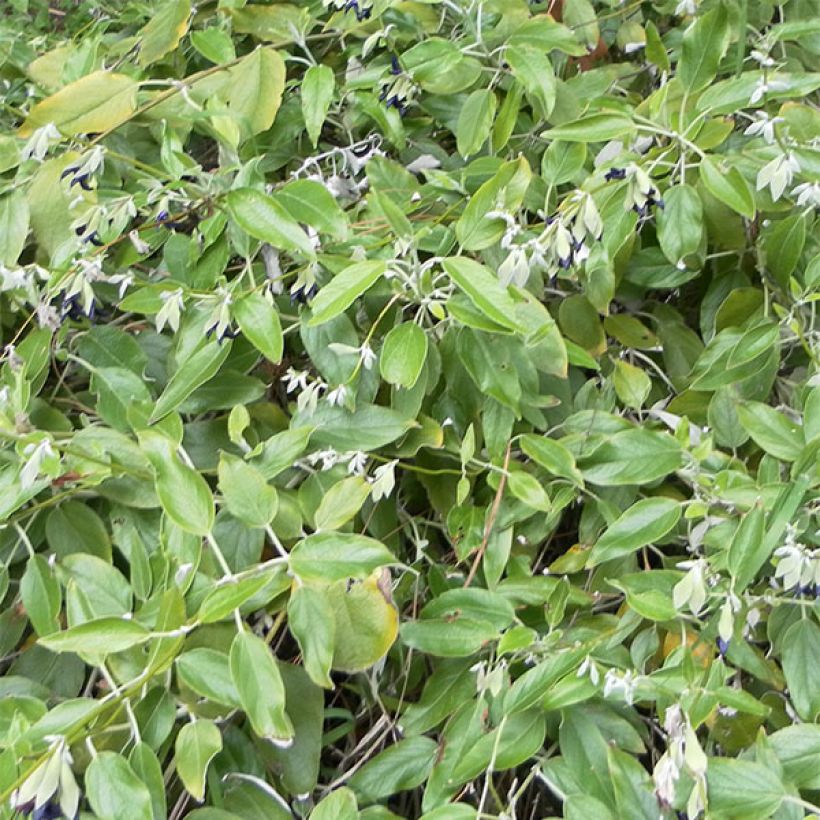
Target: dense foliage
409	408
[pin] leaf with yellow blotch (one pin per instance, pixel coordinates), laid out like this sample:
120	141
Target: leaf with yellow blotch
96	102
163	31
367	622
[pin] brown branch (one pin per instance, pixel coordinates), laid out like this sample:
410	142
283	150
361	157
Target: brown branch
488	527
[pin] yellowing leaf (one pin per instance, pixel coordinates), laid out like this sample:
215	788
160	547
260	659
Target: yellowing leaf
257	83
367	623
163	31
96	102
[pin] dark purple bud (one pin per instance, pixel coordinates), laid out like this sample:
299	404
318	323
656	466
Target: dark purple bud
402	110
162	216
615	173
659	203
383	92
565	262
72	169
363	14
395	68
722	646
577	244
82	181
95	240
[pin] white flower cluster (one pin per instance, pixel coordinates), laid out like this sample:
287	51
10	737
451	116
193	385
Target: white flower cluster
798	567
683	751
562	244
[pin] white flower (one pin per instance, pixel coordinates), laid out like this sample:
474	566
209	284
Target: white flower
588	667
357	463
13	279
778	174
173	303
38	143
763	59
515	269
309	397
48	316
763	87
665	776
37	454
273	270
337	396
807	194
384	480
295	379
763	126
691	589
367	356
620	683
140	245
686	8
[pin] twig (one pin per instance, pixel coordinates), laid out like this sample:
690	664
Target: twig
488	527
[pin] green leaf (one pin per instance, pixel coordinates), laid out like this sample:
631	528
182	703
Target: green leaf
261	691
196	745
402	766
552	456
343	290
741	788
256	87
783	245
340	804
310	202
704	44
680	223
97	102
214	45
534	71
645	522
747	551
41	596
259	323
334	556
475	121
771	430
801	648
483	289
593	128
14	221
222	600
311	620
245	492
528	490
729	186
192	372
341	503
183	493
403	355
369	428
317	93
103	636
114	790
264	218
631	384
454	638
638	456
207	672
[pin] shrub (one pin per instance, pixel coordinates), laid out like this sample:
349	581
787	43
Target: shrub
409	409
